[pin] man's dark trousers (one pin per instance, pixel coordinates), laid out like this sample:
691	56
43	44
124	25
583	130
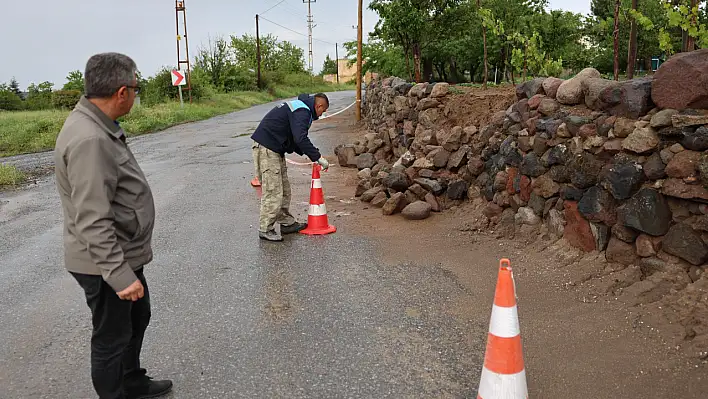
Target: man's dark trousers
118	330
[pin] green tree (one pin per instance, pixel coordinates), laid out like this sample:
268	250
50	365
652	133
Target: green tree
686	15
215	60
74	81
413	25
15	87
276	56
9	101
379	57
39	96
329	67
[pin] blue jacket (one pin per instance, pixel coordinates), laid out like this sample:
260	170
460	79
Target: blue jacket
284	129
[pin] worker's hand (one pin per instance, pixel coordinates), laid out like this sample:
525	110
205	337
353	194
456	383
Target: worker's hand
134	292
323	163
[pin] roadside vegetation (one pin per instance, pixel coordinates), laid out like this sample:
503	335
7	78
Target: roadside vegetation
10	176
482	41
223	80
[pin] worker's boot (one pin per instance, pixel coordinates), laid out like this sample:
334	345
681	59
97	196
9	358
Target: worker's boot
296	227
270	235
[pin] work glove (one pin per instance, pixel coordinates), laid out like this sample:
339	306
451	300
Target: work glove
323	163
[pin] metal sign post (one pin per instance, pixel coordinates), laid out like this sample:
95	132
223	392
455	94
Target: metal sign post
181	8
179	81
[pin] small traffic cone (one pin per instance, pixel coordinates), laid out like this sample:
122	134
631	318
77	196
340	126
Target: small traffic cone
317	221
503	374
255	182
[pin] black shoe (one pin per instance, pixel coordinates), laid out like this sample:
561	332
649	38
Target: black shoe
293	228
147	388
270	235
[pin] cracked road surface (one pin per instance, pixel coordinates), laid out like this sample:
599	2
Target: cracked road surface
312	317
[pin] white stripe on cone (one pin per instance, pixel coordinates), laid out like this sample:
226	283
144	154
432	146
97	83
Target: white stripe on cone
316	183
504	322
318	210
503	386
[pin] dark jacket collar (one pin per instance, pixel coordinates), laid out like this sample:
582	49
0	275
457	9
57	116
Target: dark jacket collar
90	109
310	102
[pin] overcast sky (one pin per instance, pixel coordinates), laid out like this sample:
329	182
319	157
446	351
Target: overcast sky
44	40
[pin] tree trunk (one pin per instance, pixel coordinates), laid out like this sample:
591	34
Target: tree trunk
416	61
504	63
616	37
632	55
440	74
691	41
453	71
511	68
648	65
427	69
484	40
408	66
526	55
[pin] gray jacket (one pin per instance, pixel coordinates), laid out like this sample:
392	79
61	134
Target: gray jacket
108	207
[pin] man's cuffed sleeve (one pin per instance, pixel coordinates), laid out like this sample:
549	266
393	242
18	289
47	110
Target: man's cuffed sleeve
299	124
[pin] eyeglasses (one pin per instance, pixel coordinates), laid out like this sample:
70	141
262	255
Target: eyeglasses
136	88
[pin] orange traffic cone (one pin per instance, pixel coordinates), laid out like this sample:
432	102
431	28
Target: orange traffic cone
255	182
503	374
317	222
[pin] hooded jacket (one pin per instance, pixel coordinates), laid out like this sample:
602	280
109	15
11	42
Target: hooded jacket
284	129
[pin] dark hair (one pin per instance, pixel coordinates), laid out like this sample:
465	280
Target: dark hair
106	73
322	96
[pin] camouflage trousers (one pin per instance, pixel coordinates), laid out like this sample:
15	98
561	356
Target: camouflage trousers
272	171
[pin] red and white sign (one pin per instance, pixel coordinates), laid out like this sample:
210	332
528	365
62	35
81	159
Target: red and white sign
178	78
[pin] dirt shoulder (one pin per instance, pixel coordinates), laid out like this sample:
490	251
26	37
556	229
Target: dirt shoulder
578	343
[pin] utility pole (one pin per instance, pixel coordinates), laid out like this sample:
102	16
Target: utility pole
336	55
358	63
179	7
258	54
309	28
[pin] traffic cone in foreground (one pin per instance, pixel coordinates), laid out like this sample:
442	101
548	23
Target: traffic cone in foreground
255	182
503	374
317	222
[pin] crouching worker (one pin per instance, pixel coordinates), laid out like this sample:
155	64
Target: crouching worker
283	131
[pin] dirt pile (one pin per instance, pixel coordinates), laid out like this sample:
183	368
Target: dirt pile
588	160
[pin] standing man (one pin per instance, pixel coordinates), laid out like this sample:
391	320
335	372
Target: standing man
109	215
283	131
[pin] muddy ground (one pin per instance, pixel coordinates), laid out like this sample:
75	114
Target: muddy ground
578	341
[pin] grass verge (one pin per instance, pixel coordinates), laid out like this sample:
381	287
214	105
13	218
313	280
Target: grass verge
10	176
36	131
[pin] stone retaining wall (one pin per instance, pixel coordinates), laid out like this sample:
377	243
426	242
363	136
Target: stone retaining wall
587	162
590	160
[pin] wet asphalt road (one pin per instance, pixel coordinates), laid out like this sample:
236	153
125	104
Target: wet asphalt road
234	317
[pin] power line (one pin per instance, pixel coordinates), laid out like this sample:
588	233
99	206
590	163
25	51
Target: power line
291	8
281	2
296	32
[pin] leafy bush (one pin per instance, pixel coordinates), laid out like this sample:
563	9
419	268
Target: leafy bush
65	98
37	102
9	101
239	79
158	88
